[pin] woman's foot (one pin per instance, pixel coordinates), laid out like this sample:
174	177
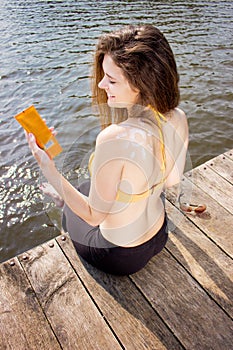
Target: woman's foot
48	190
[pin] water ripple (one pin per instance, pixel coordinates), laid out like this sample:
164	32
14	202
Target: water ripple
46	52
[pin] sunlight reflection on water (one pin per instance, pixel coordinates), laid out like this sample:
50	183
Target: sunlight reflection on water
46	50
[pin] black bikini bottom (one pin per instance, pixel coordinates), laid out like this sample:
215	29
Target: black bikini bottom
95	249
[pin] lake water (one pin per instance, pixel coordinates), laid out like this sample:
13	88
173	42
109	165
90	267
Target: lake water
46	52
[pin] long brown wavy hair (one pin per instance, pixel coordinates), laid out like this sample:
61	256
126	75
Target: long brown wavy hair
147	61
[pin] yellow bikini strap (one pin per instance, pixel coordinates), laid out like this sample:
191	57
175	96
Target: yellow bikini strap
90	162
159	116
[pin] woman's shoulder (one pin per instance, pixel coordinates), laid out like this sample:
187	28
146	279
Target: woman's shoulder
179	121
178	115
176	128
110	133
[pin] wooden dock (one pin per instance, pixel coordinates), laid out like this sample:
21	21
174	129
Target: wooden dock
50	299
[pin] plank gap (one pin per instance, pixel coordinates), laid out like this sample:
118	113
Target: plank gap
195	318
156	312
42	309
200	229
125	308
89	294
200	285
211	221
213	184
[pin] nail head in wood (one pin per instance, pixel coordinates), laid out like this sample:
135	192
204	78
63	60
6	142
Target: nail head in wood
12	263
51	245
63	238
25	257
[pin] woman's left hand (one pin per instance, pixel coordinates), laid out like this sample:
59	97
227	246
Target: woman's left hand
45	163
42	158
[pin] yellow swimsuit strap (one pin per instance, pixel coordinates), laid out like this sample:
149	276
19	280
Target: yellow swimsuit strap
90	162
129	198
159	116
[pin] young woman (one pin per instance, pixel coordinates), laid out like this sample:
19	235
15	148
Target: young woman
117	220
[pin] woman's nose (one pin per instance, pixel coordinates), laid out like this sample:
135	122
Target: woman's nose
103	84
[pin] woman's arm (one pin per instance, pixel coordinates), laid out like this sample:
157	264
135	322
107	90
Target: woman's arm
176	173
182	138
106	176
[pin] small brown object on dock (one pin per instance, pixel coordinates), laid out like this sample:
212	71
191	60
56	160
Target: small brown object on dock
189	208
182	299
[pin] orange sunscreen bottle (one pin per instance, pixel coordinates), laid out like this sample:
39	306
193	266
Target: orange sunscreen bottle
32	122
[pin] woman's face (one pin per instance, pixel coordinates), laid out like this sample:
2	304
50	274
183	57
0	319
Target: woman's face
119	92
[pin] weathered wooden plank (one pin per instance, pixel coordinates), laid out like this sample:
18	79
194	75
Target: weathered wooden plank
208	264
229	154
223	166
133	320
216	221
197	321
213	184
72	314
22	322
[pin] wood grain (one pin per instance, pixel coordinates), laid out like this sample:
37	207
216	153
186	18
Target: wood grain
22	322
208	264
223	166
213	184
216	222
129	314
70	311
182	299
196	320
229	154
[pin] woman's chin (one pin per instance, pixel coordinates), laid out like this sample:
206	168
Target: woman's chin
115	104
112	103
